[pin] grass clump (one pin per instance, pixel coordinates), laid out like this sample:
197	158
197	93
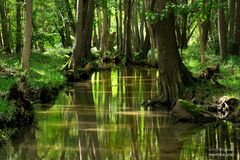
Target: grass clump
7	111
6	83
45	69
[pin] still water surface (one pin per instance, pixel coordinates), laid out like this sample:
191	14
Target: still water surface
102	119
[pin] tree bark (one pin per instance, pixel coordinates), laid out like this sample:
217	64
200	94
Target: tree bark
237	28
99	25
95	39
105	29
88	28
146	45
231	18
204	27
128	31
83	37
135	27
117	26
120	26
173	73
5	29
18	27
222	31
79	35
1	44
27	36
142	22
152	42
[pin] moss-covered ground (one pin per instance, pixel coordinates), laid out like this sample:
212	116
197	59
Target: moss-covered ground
229	77
45	72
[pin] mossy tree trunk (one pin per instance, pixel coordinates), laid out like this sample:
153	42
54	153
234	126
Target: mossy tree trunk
83	37
173	73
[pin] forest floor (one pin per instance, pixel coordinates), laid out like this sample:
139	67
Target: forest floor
45	73
207	92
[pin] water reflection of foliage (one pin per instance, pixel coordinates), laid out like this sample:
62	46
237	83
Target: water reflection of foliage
215	141
102	119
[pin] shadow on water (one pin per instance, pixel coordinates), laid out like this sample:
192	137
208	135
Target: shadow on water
102	119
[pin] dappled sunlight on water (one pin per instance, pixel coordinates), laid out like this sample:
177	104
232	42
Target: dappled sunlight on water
103	119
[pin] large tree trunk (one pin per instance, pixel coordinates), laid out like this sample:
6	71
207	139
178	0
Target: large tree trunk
128	31
146	45
83	37
135	27
77	50
237	28
231	24
151	31
231	18
222	31
152	42
117	25
182	28
18	26
204	27
99	25
27	36
5	29
120	26
173	73
95	39
88	28
105	29
142	22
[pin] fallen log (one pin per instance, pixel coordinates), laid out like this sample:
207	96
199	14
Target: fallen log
187	111
227	108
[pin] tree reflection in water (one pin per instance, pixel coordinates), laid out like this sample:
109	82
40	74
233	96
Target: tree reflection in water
102	119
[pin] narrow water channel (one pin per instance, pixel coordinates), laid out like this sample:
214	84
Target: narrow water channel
103	119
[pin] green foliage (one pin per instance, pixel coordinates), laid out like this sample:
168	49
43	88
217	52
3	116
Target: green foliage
6	83
45	68
197	8
149	56
231	75
5	134
7	111
229	71
151	17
